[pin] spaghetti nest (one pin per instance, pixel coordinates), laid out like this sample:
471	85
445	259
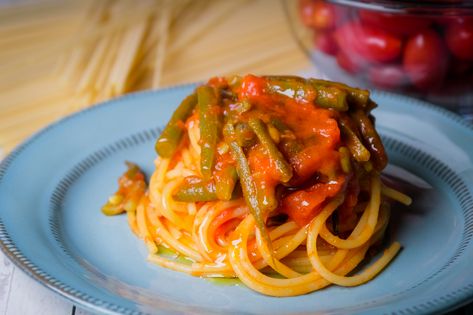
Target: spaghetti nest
274	180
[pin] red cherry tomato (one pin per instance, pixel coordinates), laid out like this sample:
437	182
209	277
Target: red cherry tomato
387	77
317	14
425	59
454	16
460	68
325	42
367	42
459	37
350	64
394	23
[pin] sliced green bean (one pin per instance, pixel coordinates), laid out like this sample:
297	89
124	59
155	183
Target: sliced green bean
210	117
370	106
282	166
326	96
226	180
248	186
133	170
371	140
293	87
242	106
195	189
128	195
359	97
109	209
345	159
331	97
279	125
286	78
354	144
291	147
288	144
244	135
169	139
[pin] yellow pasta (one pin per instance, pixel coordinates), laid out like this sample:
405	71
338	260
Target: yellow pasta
300	222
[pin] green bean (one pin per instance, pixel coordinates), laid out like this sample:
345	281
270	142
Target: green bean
244	135
109	209
359	97
368	166
195	189
288	144
250	191
131	188
242	106
326	96
345	159
331	97
371	140
284	78
293	87
282	166
226	180
370	106
169	139
356	147
266	198
210	117
279	125
132	170
300	88
291	147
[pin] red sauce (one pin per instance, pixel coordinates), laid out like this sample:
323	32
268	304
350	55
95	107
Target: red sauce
303	205
317	135
252	87
317	130
218	82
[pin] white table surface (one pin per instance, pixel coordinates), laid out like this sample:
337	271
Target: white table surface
19	294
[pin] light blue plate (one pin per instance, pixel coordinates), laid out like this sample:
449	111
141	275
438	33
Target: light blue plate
52	188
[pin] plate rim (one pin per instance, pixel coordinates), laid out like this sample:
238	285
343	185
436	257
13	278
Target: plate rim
84	299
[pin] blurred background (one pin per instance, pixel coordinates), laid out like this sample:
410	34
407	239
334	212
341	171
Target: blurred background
58	57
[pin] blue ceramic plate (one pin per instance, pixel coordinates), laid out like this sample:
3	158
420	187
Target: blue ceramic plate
52	188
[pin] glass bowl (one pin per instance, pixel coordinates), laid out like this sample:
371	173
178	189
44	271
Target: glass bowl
423	49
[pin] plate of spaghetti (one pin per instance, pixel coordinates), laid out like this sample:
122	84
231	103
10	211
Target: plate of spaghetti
247	194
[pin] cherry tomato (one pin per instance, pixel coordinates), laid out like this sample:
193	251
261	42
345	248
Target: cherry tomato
425	59
394	23
349	63
454	16
325	42
388	76
317	14
368	43
459	37
459	68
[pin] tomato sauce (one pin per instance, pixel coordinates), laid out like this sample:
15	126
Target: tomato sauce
303	205
316	129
